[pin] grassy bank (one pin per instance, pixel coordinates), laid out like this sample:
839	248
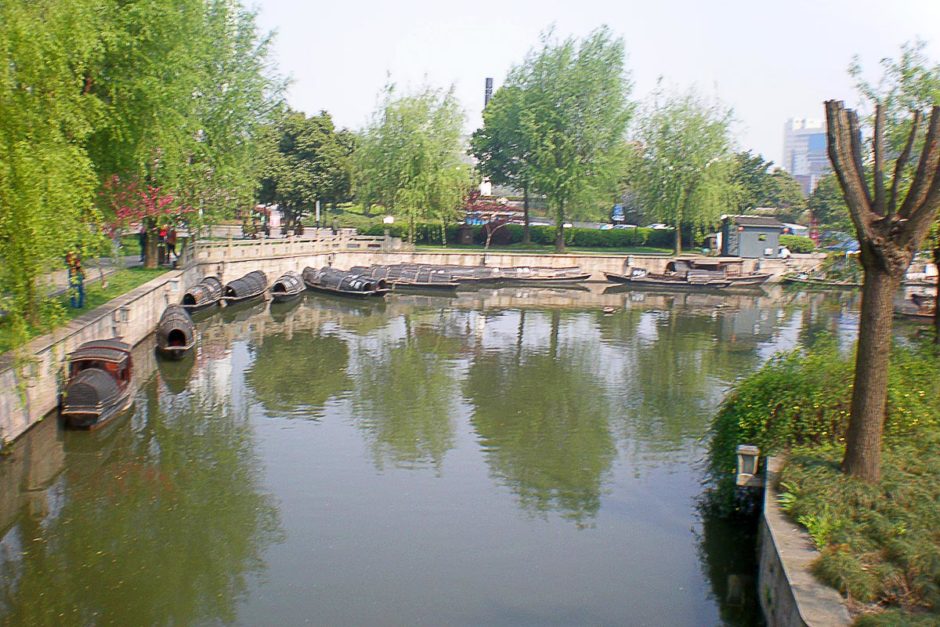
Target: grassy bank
57	311
880	544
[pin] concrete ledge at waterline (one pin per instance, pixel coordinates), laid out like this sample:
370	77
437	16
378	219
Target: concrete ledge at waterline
32	392
789	593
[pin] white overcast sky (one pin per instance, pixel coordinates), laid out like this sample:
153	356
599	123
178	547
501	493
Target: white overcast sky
769	60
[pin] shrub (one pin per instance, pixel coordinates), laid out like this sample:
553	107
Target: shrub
797	243
804	397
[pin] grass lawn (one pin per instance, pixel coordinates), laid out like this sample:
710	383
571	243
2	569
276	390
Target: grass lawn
880	543
58	312
548	249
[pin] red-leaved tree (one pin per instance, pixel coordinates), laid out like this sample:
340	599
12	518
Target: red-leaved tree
130	202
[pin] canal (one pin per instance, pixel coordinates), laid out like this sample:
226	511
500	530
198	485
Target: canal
505	457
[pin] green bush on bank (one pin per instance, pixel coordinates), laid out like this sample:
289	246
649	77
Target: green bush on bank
878	543
798	243
430	234
803	397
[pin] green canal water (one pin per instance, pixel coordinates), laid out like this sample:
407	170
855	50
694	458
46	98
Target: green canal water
506	457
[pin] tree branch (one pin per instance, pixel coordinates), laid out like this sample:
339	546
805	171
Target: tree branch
878	142
901	163
838	130
926	168
855	136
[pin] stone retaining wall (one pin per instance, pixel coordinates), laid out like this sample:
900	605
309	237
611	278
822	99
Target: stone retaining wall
790	596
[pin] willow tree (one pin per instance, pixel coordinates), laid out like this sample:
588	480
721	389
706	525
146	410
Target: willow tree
185	85
683	167
46	179
573	116
892	215
410	157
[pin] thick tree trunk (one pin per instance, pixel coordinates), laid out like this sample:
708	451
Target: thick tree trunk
936	302
560	230
150	250
869	396
677	248
526	238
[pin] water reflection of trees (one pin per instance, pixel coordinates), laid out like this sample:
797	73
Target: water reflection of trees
406	394
541	417
728	558
158	522
297	375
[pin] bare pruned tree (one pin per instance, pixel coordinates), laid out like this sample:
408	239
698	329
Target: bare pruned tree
890	225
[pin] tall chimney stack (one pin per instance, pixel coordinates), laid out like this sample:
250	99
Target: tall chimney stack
488	92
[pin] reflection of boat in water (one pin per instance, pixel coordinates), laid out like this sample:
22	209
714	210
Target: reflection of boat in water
175	374
204	294
249	287
99	385
280	309
240	312
175	332
344	283
287	287
925	307
811	281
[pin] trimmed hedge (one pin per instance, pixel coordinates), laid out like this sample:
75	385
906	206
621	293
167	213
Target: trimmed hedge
797	243
429	233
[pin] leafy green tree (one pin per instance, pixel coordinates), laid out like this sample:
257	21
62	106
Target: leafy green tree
750	178
573	117
502	149
682	167
785	194
309	162
409	158
828	205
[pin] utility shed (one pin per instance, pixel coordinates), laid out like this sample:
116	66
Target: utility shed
754	237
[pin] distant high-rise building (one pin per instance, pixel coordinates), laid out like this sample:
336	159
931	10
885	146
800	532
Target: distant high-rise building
805	153
487	91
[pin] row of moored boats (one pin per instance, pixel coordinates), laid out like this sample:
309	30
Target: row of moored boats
100	371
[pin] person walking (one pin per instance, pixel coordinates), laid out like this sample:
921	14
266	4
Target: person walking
76	280
171	244
142	239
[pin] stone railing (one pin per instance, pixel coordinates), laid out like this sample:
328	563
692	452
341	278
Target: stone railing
346	240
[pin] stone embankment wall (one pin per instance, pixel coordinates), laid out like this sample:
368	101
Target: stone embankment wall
30	392
789	594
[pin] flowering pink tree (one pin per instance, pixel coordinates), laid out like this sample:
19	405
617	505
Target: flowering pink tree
130	202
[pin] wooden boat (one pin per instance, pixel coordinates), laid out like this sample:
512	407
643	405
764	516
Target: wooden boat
535	275
250	286
642	278
409	277
810	281
726	269
204	294
334	281
175	332
288	286
99	383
